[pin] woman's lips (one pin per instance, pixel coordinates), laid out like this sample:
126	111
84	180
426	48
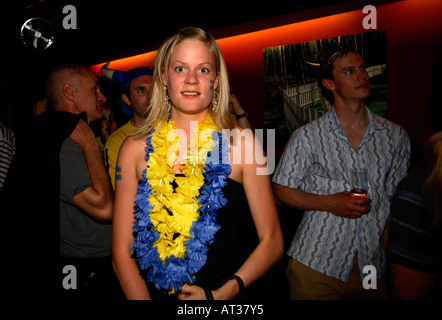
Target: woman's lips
190	94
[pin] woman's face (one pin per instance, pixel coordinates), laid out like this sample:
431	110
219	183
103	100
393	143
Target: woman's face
191	78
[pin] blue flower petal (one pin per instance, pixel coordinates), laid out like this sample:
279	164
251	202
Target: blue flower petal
173	272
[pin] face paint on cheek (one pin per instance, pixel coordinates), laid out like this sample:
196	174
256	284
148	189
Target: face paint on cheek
211	85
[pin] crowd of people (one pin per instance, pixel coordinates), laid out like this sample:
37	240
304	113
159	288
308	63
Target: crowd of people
166	206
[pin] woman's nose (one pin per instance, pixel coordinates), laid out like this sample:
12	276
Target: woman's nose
191	77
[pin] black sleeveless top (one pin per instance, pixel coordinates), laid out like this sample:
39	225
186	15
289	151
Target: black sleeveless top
233	243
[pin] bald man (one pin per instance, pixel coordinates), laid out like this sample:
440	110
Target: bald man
75	89
70	191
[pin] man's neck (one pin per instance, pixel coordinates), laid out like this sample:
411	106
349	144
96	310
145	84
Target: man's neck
351	114
68	108
136	120
354	121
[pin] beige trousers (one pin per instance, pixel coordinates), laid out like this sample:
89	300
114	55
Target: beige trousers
309	284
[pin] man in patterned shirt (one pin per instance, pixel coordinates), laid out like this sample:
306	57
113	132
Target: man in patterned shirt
340	234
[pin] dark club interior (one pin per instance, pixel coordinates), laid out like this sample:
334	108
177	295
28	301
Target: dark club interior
405	36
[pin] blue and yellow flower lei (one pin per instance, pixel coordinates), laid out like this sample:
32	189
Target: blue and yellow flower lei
175	226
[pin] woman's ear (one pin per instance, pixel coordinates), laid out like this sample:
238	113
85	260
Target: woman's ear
215	82
164	77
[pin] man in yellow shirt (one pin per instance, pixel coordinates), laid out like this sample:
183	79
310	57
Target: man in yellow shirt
135	101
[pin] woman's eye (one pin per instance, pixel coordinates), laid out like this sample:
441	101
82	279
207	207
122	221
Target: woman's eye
179	69
204	70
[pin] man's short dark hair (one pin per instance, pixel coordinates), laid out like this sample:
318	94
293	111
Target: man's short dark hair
326	57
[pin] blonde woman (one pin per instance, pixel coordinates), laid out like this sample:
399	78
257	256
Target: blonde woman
188	193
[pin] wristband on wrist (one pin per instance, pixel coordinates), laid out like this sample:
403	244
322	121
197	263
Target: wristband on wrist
208	293
242	115
240	285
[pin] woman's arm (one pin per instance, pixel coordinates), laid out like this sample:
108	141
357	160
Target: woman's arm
262	206
130	160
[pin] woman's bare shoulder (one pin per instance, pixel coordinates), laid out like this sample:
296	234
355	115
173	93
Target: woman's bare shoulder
132	145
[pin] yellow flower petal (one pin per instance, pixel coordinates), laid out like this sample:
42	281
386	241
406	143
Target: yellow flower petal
174	212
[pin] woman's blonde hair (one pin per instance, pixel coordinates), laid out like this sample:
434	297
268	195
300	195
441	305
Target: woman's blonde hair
158	112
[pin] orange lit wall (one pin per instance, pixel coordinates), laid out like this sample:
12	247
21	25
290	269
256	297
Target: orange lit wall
414	39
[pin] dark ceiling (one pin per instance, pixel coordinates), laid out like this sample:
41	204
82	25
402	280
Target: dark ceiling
108	29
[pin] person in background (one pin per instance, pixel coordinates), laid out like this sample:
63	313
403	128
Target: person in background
340	234
69	192
415	231
40	106
135	101
7	152
239	113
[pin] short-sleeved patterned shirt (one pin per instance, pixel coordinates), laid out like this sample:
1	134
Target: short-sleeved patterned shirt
318	159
